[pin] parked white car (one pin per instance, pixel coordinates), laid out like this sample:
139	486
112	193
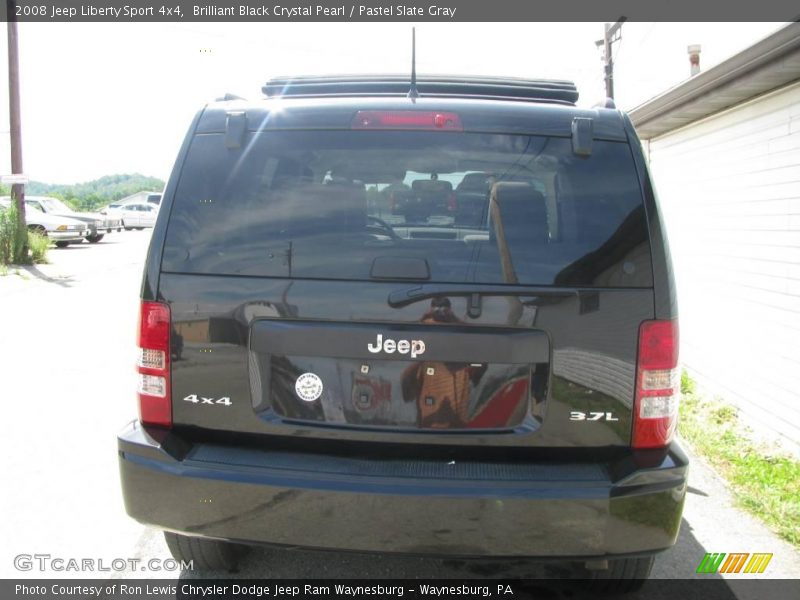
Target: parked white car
138	216
62	230
114	207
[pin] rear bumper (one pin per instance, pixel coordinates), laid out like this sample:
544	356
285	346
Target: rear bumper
106	227
547	510
67	236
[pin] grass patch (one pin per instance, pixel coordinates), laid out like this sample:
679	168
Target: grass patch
765	482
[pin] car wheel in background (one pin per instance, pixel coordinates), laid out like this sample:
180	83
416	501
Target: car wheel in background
205	554
62	244
38	229
93	239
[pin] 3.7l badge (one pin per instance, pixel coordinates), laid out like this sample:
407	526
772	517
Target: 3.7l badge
577	415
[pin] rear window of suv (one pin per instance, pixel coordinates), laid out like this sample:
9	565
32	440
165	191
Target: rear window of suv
434	206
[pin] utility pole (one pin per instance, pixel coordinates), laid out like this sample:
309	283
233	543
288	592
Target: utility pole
17	189
612	34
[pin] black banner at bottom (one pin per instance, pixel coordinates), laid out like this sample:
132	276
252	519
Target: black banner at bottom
704	588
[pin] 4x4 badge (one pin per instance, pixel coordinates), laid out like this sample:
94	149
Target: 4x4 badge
195	399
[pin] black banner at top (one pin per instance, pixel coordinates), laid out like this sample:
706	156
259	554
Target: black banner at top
400	11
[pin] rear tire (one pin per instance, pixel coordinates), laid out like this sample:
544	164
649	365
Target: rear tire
62	244
93	239
623	575
205	554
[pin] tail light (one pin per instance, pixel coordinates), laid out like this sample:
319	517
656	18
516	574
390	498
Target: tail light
452	205
153	365
657	385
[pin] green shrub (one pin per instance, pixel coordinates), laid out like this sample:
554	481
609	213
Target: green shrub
19	247
38	245
8	230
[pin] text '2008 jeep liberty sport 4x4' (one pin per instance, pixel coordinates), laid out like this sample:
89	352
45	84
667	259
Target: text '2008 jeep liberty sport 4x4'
489	370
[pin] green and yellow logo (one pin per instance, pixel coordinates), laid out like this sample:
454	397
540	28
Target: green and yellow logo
741	562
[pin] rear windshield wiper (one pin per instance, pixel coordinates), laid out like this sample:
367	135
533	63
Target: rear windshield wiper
409	295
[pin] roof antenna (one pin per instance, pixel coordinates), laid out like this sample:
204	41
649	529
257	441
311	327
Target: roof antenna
413	94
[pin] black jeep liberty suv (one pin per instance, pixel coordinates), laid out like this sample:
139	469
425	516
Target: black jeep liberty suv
437	323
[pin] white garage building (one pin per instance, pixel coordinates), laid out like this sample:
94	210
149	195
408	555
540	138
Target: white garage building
724	150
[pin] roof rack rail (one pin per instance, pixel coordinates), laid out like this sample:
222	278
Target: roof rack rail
445	86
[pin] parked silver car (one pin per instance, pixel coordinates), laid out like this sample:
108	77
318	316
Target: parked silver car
98	224
62	230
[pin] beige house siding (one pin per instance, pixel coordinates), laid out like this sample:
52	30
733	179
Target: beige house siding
729	187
